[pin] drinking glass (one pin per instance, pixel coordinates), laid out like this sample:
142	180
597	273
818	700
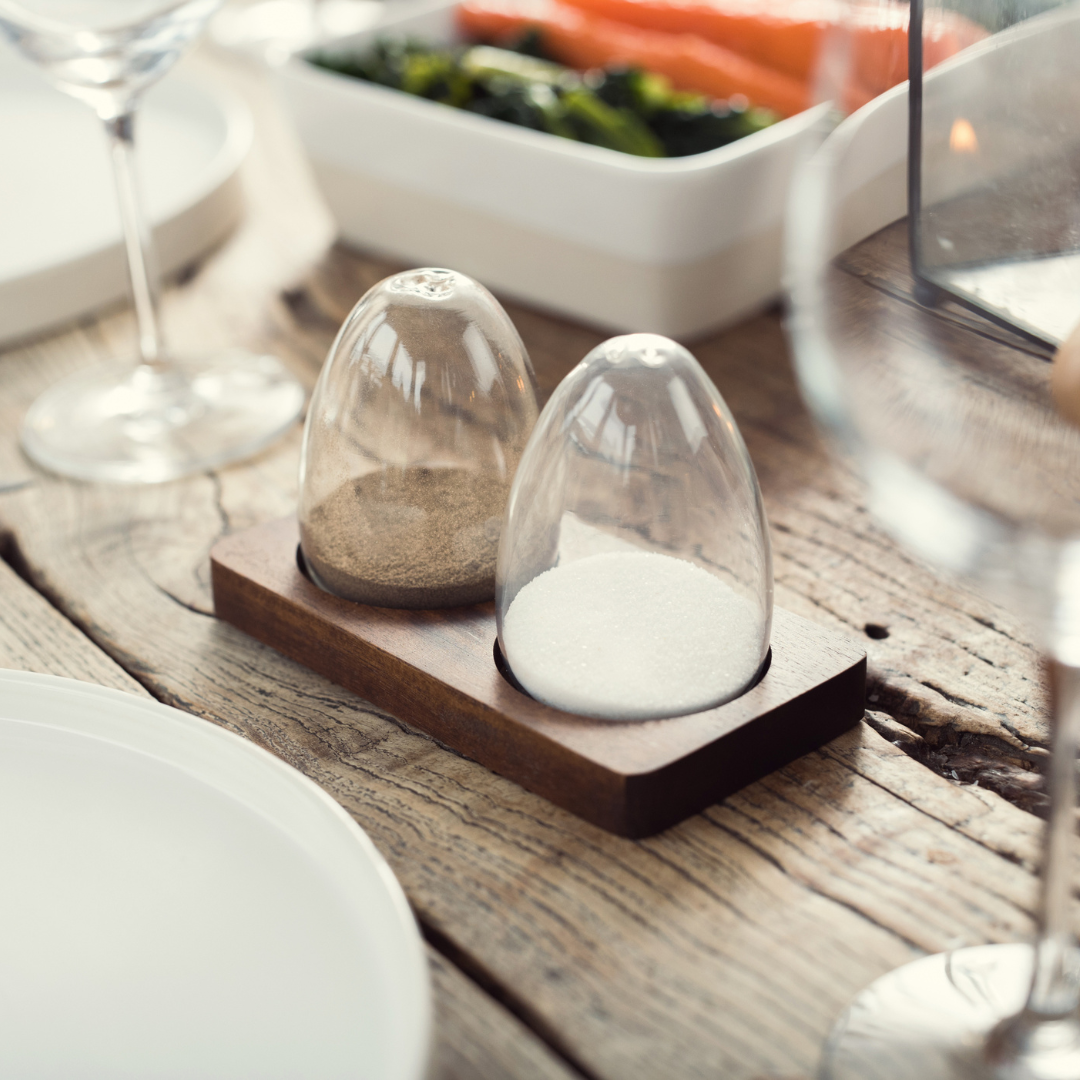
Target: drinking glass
165	416
950	419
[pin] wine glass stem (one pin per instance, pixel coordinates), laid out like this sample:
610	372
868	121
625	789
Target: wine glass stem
1054	991
138	243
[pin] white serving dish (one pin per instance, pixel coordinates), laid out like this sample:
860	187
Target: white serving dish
676	246
62	255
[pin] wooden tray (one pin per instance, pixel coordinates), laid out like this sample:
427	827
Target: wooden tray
437	671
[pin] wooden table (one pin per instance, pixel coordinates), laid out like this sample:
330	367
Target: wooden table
723	948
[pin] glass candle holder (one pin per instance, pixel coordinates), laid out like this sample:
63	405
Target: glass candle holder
635	573
993	172
414	432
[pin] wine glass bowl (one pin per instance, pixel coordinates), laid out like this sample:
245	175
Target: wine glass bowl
105	52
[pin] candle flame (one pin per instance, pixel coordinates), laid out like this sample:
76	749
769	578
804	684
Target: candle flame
962	138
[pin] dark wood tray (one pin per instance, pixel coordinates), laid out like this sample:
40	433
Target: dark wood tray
437	671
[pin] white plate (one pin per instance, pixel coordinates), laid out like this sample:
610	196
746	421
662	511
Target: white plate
60	241
176	902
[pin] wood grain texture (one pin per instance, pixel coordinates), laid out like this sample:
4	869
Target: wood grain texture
439	669
726	945
722	947
1003	378
34	636
485	1041
643	960
476	1038
956	667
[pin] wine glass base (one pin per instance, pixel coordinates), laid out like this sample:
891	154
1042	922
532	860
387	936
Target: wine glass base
119	424
930	1019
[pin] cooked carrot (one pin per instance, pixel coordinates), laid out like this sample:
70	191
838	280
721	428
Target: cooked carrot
788	35
879	43
582	40
785	35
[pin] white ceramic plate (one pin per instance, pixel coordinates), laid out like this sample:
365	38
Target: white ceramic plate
60	245
176	902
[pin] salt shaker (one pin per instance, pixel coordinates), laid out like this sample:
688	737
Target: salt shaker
634	572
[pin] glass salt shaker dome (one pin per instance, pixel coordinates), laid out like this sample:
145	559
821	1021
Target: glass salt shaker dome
413	435
635	572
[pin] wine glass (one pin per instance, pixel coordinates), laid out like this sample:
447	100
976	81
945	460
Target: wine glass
948	414
166	416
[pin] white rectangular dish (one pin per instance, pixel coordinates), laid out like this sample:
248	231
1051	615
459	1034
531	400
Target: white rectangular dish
675	246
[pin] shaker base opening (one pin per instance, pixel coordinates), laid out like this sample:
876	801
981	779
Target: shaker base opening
504	669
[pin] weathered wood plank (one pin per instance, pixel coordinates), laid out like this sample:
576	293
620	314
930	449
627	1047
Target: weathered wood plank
34	636
436	668
953	661
475	1036
723	947
955	666
481	1040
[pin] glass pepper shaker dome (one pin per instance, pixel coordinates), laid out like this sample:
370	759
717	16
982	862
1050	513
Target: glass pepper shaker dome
415	429
635	573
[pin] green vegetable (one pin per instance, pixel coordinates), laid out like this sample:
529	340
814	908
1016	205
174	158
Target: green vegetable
624	109
684	123
568	107
595	121
485	61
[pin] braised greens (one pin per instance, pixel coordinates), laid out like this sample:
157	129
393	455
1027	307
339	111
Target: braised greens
622	108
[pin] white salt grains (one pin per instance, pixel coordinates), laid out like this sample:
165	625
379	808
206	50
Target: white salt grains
631	636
